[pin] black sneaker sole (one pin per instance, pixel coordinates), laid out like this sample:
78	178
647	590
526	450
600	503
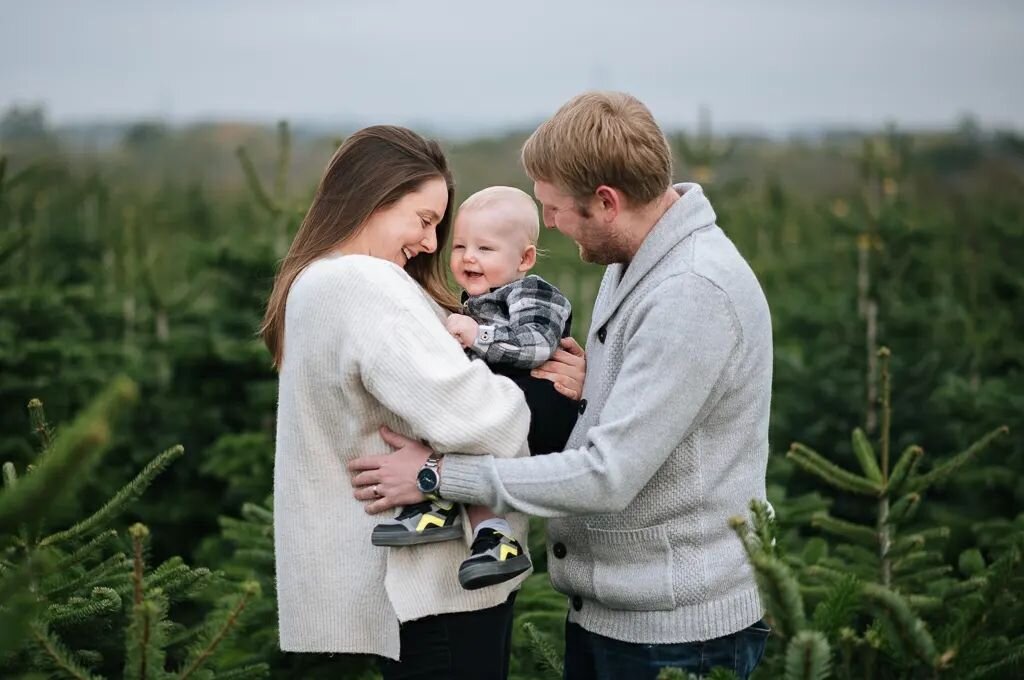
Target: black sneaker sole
483	574
403	538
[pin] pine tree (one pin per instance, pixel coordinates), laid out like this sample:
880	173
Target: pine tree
883	603
64	591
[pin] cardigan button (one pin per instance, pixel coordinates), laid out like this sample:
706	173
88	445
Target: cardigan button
577	602
559	550
602	333
583	406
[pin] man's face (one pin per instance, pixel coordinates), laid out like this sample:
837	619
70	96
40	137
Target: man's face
598	241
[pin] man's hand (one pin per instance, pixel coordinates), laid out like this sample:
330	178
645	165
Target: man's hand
388	481
464	329
566	368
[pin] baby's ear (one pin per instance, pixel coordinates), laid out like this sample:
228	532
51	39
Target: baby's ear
529	258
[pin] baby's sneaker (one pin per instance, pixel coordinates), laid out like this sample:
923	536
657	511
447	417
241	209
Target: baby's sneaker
495	557
425	522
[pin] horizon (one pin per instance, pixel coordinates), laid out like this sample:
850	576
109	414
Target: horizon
466	69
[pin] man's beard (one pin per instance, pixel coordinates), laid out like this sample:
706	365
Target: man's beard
603	248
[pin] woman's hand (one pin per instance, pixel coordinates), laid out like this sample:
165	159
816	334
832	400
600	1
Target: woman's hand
566	368
389	480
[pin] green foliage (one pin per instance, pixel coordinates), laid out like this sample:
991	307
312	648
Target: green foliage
154	259
887	605
64	591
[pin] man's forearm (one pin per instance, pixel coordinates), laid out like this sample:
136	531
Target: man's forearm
578	481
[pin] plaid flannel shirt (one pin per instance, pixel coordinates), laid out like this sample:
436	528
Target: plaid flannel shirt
520	322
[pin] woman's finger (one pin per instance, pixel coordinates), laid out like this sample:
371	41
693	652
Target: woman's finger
365	493
378	506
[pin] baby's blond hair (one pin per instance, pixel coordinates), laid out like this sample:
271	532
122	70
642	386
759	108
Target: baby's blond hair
519	208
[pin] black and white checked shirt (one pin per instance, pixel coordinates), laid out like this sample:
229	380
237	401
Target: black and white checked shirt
520	322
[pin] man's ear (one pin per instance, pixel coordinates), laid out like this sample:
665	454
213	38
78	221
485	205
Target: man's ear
609	201
529	258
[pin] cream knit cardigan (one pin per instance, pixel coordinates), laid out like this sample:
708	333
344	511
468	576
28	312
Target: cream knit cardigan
364	346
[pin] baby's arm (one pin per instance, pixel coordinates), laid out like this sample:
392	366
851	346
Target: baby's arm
538	313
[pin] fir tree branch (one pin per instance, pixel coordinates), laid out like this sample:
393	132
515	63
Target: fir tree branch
808	657
911	629
138	533
72	454
856	533
839	606
917	541
821	572
127	495
250	589
145	640
58	655
284	147
914	561
884	355
927	575
943	471
41	428
903	509
776	582
252	179
79	610
1013	661
258	514
255	556
89	577
866	456
905	466
543	651
816	464
971	585
86	550
255	671
179	582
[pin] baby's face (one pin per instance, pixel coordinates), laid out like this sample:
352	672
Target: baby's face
486	251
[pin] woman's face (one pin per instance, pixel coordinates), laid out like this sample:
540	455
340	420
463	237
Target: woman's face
408	227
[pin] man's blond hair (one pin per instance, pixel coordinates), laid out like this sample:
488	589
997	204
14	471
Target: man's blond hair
518	207
598	138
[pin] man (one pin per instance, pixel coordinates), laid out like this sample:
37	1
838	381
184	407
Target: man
672	438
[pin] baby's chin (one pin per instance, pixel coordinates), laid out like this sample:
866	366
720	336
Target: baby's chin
478	286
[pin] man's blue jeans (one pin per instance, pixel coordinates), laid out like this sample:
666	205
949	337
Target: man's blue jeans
589	656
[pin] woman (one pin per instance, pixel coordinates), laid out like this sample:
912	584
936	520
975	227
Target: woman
354	324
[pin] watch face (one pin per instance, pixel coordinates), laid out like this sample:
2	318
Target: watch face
426	480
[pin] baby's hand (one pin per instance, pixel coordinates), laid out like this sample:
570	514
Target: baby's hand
464	329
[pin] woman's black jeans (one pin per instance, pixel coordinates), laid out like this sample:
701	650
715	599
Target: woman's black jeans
461	646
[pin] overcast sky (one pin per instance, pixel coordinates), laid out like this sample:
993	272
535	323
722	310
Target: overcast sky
771	66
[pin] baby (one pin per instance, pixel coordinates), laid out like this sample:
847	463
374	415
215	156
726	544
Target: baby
513	322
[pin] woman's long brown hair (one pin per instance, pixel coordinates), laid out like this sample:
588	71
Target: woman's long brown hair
372	169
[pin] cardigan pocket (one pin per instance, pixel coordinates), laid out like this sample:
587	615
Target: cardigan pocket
632	568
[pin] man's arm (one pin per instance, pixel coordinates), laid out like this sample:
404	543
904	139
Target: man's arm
681	347
537	314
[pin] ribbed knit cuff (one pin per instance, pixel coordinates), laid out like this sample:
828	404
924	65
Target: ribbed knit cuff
463	479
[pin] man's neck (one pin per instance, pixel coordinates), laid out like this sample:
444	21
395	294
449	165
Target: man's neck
642	222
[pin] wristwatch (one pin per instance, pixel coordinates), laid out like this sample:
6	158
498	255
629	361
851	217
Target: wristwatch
428	481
